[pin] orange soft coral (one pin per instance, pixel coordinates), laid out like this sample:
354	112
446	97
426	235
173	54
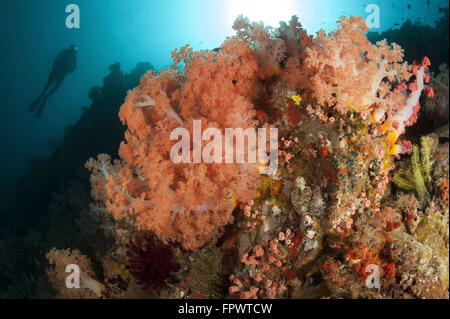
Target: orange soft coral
190	203
187	203
348	73
351	73
59	260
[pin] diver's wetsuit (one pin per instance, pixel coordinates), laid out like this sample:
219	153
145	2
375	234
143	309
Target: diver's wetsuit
64	64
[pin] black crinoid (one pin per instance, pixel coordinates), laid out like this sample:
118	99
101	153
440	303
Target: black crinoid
149	261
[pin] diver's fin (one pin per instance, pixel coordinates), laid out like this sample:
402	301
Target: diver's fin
40	109
34	105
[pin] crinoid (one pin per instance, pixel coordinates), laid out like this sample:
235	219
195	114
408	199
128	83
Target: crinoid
150	262
417	174
209	273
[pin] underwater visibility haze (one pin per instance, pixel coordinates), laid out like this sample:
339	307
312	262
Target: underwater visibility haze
289	149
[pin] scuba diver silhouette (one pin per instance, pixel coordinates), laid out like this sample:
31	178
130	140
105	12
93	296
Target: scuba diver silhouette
64	64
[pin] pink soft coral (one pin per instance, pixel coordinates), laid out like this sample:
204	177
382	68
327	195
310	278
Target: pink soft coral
184	203
350	73
338	73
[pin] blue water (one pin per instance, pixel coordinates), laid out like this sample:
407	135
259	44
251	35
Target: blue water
34	32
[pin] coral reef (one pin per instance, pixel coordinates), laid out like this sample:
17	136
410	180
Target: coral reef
354	209
328	216
262	273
